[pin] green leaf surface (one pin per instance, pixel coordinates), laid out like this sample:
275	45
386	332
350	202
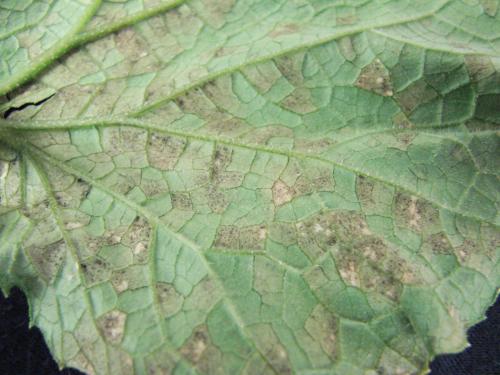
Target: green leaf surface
251	187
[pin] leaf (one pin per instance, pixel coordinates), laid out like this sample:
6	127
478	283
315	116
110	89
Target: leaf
250	187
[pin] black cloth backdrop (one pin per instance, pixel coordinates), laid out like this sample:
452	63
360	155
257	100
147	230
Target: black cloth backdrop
23	351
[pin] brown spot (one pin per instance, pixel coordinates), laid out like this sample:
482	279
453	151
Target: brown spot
216	199
286	29
95	270
375	77
405	138
479	67
346	48
161	363
282	193
112	325
164	151
216	10
253	237
196	102
81	362
291	68
323	183
119	281
349	273
196	345
467	248
180	103
490	238
372	248
222	158
299	101
169	300
130	44
490	7
380	282
349	19
227	237
318	234
322	325
302	186
182	201
402	122
137	238
349	224
415	95
271	348
439	243
364	190
262	76
48	259
415	213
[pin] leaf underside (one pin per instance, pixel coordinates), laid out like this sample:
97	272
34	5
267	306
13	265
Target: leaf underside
250	187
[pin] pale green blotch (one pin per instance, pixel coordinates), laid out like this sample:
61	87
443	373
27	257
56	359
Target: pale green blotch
103	298
87	141
117	256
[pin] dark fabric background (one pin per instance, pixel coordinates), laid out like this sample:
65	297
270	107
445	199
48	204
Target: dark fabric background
23	351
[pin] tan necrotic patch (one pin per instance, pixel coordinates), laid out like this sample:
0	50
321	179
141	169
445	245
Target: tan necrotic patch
170	301
363	259
245	238
322	325
95	270
416	94
112	326
282	193
164	151
270	346
182	201
415	213
202	353
375	77
136	237
48	259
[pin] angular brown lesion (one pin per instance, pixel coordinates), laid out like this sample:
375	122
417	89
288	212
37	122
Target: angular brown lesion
216	199
439	243
291	68
137	238
282	193
479	67
112	326
364	190
221	159
363	259
271	348
299	101
48	259
413	96
375	77
490	7
169	300
182	201
250	237
323	327
95	270
227	237
415	213
202	353
164	151
253	237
